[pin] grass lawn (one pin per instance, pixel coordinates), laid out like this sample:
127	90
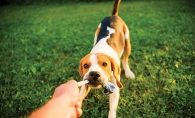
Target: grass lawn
41	46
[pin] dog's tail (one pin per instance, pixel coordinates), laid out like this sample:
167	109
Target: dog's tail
116	7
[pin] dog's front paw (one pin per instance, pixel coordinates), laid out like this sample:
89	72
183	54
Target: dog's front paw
129	74
112	114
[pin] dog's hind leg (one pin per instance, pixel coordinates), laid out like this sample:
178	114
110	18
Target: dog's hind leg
126	54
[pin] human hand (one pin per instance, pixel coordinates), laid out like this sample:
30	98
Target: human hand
68	94
65	103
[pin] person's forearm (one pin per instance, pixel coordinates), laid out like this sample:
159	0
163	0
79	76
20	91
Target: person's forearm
64	103
52	109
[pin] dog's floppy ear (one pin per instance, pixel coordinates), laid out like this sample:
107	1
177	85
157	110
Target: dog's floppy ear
82	62
116	71
81	69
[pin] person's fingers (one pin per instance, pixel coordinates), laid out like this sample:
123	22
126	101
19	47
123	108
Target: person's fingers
78	108
72	83
78	104
79	112
70	88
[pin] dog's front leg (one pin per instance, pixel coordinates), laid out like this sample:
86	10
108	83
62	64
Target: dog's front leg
114	97
84	91
113	100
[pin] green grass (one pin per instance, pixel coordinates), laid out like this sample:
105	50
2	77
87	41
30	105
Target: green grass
41	46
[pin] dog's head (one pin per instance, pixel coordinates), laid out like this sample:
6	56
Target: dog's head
99	68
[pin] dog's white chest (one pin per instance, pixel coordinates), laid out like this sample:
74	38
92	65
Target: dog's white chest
103	47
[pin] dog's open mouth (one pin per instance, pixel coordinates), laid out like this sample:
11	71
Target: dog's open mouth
93	83
108	87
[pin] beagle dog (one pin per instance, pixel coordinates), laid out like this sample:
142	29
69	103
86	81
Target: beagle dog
102	64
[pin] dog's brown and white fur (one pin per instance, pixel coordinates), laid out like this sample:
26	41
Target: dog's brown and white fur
102	64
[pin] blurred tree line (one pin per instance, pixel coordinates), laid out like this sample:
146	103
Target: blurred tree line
7	2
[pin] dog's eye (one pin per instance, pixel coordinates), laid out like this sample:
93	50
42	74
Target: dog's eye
104	64
86	66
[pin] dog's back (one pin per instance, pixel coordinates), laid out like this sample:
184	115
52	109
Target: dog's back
111	30
108	22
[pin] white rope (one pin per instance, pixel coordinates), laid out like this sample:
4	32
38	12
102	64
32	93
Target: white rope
82	82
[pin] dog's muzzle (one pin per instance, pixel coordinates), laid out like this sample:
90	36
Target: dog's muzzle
94	79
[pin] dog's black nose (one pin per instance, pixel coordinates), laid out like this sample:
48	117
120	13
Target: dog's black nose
94	75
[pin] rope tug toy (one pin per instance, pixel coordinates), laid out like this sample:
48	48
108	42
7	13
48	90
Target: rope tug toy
108	88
